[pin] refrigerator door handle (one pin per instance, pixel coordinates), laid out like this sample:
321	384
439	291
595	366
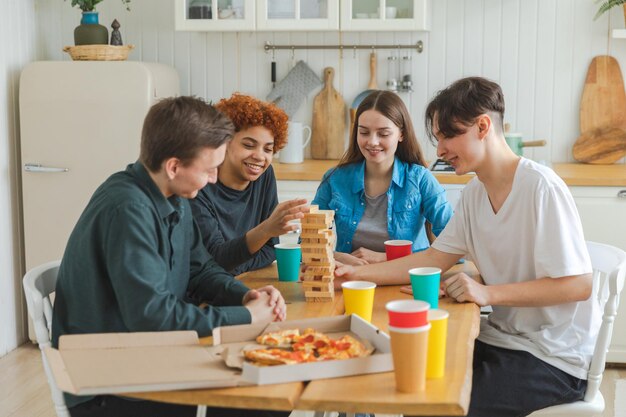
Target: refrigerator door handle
40	168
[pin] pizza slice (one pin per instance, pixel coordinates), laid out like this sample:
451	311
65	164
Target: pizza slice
344	348
270	357
282	338
311	341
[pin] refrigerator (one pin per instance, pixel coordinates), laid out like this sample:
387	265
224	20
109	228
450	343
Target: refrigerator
79	123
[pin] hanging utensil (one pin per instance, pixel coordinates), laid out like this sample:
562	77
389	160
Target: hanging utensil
273	68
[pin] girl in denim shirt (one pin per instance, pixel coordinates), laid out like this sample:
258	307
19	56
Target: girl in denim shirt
381	188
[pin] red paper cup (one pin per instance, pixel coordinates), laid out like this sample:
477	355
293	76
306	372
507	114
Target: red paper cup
407	313
398	248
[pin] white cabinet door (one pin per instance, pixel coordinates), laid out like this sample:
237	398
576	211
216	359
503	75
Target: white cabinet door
297	15
382	15
215	15
603	214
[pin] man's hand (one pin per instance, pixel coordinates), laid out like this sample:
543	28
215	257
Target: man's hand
265	298
464	288
370	256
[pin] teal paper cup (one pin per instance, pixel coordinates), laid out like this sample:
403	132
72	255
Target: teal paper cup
288	257
425	285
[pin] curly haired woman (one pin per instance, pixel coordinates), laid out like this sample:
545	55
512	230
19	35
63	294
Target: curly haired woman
239	216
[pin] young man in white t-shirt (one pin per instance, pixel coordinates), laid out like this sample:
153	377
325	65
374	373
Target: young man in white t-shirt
518	223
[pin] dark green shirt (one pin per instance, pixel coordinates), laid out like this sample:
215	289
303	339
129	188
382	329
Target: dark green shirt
135	262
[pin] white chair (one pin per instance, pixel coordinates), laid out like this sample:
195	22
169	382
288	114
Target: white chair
609	270
38	284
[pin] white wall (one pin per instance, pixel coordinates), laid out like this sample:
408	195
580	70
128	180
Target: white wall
17	47
537	50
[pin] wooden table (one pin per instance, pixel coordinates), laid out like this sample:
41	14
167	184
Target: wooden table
374	393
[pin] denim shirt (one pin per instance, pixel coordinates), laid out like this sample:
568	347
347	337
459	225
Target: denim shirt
413	197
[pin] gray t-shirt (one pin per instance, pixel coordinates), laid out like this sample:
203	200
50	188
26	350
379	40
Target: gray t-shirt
372	232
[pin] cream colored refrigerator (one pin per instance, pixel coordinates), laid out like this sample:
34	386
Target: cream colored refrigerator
79	123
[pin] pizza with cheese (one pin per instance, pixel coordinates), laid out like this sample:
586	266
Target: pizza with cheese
283	338
263	357
310	346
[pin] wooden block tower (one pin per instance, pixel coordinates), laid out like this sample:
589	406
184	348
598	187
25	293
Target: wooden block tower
317	244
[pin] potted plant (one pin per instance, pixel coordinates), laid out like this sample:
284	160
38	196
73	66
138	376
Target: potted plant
90	32
90	5
609	4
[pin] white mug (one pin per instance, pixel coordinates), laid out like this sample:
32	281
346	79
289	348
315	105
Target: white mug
293	152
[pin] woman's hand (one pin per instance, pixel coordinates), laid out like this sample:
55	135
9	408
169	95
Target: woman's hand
343	273
347	259
370	256
278	222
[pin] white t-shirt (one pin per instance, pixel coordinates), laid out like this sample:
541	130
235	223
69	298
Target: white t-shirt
536	233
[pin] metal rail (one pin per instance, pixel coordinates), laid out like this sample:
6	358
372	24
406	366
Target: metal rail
418	46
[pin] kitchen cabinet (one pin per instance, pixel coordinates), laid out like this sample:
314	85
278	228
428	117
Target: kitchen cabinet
385	15
619	33
215	15
603	214
297	15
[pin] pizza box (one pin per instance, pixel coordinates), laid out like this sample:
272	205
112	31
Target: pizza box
114	363
236	337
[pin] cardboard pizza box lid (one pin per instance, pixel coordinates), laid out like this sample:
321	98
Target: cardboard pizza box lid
112	363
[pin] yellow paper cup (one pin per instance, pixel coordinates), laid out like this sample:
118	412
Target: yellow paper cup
358	298
436	362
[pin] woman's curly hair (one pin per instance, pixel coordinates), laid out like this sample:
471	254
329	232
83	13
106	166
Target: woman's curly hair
246	112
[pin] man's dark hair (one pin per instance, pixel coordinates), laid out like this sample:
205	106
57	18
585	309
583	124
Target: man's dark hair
457	107
178	127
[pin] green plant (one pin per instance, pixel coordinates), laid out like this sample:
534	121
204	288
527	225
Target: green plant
606	5
90	5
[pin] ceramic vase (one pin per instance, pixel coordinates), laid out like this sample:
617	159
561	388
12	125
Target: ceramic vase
90	32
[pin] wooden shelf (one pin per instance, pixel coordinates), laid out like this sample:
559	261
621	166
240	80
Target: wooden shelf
619	33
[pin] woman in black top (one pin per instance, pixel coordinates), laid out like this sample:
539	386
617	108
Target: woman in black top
239	216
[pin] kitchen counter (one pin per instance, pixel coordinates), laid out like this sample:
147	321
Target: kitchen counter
573	174
314	169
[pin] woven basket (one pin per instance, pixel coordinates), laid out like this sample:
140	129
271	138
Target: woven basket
98	52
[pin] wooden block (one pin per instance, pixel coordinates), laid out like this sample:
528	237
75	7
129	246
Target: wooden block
316	234
320	270
317	259
317	286
319	294
318	240
314	208
321	253
319	300
326	277
318	246
321	263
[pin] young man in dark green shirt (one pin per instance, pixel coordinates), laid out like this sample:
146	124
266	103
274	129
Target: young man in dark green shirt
135	260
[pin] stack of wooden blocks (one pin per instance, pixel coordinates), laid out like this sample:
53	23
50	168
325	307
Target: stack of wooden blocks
317	244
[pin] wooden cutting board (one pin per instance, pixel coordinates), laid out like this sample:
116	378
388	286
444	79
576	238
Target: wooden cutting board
601	146
329	121
603	103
